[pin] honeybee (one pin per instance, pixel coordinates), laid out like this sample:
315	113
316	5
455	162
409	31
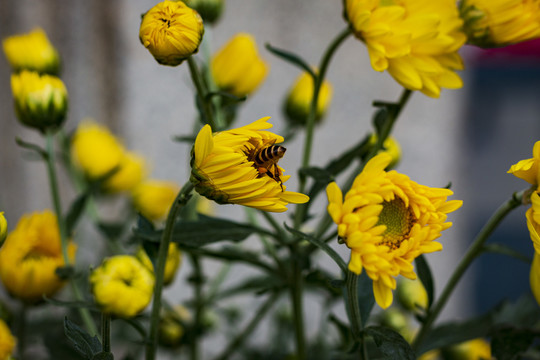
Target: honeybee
265	160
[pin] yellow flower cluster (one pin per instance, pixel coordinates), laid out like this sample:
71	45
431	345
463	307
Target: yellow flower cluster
416	41
174	260
30	256
171	31
153	198
494	23
237	67
387	221
122	286
298	102
528	170
7	341
31	51
226	167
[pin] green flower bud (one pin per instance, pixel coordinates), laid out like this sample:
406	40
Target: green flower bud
210	10
41	101
412	295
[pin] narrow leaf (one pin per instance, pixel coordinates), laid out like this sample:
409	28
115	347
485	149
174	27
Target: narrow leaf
505	250
424	273
321	245
85	344
390	343
292	58
103	356
366	299
75	211
379	119
507	343
33	147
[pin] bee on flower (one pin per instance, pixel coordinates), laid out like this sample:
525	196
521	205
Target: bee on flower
171	31
387	220
229	168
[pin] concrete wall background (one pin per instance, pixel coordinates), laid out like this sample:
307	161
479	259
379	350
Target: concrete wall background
113	79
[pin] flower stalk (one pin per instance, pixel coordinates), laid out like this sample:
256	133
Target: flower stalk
206	105
106	332
53	184
473	252
181	199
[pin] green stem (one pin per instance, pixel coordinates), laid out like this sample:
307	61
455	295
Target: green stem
21	332
199	307
281	237
235	343
474	251
296	287
353	307
310	126
181	199
53	182
106	332
206	106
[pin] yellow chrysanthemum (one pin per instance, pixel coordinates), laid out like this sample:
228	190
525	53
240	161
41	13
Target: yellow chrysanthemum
533	221
96	151
122	286
223	168
7	341
171	31
153	198
415	40
3	227
31	51
298	102
387	220
30	256
174	260
237	67
534	277
41	101
476	349
528	169
494	23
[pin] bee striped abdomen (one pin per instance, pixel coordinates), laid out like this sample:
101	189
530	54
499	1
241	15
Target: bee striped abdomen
270	154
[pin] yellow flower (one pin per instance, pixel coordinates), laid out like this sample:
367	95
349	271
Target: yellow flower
40	100
298	102
131	173
97	152
477	349
387	220
171	31
224	168
528	169
30	256
534	277
7	341
3	227
171	326
210	10
174	260
153	198
31	51
412	294
415	40
122	286
237	67
391	147
494	23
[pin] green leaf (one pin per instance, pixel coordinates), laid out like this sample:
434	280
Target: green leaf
390	343
85	344
111	231
255	284
190	139
230	253
291	58
379	119
75	211
321	245
226	95
424	273
33	147
508	343
103	356
320	175
201	232
65	272
366	299
456	332
505	250
72	304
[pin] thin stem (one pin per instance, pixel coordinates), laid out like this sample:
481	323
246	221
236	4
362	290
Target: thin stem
21	332
353	310
244	334
296	287
206	106
53	182
199	306
106	332
181	199
282	236
474	251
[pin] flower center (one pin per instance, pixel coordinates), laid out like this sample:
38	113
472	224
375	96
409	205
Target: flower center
398	220
166	21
